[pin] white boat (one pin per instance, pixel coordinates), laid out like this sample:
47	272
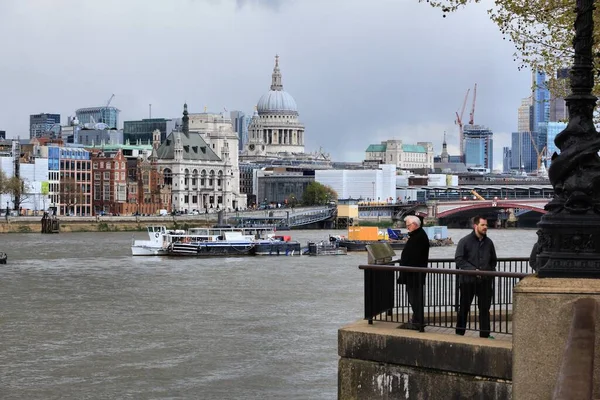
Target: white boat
212	242
157	242
195	242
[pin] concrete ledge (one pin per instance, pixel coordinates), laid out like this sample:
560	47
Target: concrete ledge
382	342
359	380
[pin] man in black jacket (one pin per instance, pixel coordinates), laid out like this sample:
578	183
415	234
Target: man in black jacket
475	252
415	254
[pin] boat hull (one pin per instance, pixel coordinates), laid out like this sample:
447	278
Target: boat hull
211	249
325	249
277	248
147	251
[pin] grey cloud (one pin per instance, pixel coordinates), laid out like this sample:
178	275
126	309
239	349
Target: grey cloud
272	4
358	71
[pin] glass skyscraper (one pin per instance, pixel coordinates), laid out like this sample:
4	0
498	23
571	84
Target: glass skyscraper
40	124
554	128
94	115
523	154
479	146
134	131
541	107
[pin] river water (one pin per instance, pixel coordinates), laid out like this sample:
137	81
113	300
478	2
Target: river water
82	319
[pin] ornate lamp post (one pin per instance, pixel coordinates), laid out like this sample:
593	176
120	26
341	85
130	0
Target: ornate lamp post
569	236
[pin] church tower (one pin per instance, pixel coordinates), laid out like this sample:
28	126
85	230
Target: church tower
445	156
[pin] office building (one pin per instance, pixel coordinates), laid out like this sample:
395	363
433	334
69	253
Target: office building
141	131
241	122
200	164
506	159
541	99
91	117
70	180
525	115
479	146
2	135
553	129
402	155
558	107
371	184
44	124
523	152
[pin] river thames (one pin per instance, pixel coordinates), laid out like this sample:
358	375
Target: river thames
82	319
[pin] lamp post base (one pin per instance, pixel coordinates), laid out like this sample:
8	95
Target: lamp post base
569	246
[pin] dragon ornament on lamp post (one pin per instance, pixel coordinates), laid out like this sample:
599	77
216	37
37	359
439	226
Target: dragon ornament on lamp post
569	233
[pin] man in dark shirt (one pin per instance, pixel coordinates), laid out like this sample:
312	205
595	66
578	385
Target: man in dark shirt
475	252
415	254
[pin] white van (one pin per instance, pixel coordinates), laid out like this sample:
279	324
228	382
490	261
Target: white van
163	212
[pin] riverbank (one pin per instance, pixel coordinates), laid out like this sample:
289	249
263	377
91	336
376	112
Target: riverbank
107	224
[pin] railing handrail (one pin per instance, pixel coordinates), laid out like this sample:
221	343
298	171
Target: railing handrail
447	271
499	259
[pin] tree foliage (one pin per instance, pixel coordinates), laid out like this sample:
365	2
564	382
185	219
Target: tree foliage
317	194
542	31
71	193
15	187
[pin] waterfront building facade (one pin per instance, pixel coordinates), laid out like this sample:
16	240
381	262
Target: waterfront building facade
281	186
370	184
70	180
200	164
109	182
142	131
275	127
33	171
95	115
43	124
479	146
403	156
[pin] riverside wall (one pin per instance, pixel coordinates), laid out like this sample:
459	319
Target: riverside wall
106	224
380	361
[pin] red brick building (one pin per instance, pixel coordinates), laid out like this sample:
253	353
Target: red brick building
109	182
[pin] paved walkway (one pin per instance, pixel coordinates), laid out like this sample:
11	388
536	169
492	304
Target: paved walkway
451	331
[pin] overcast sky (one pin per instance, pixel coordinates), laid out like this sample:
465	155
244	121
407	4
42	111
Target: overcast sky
360	71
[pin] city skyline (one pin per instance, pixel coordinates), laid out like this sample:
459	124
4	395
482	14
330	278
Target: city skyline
362	74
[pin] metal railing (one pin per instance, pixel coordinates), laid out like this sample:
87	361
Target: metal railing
387	300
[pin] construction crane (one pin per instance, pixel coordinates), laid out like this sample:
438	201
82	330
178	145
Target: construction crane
112	96
459	122
540	154
472	115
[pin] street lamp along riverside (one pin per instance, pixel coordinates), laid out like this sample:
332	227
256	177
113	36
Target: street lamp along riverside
568	243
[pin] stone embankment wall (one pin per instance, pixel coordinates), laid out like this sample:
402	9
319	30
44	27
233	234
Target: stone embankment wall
105	224
382	362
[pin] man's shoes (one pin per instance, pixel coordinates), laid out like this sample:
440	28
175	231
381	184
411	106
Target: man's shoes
412	326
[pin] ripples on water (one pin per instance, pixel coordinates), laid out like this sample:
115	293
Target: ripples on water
81	318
